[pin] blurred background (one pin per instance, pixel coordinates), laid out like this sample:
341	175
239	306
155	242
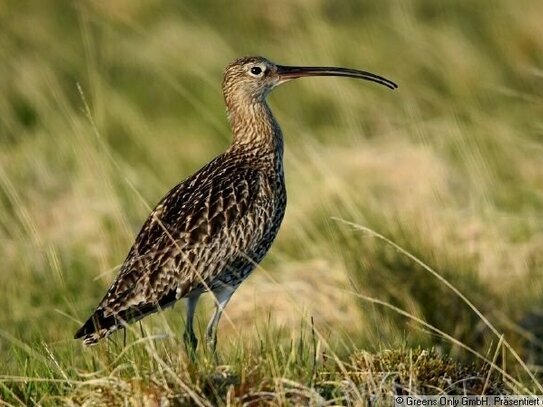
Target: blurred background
105	105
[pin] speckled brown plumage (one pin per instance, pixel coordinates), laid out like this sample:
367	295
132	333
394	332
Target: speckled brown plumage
211	230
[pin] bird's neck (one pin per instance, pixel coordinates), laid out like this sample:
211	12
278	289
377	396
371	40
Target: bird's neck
255	131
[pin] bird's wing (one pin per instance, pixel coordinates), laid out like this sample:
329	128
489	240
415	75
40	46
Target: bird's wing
182	245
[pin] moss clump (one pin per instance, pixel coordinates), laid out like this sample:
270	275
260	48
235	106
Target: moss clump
418	371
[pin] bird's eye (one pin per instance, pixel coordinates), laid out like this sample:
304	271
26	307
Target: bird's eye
256	71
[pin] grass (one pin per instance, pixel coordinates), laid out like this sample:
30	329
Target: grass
410	256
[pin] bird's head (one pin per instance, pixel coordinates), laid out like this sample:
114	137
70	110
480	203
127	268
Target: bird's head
250	79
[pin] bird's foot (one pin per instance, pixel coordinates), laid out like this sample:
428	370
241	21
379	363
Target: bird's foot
191	343
212	349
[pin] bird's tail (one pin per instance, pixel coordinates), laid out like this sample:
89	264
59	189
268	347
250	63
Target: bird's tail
100	325
97	327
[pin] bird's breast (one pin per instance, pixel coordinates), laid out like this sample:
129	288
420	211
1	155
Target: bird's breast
274	195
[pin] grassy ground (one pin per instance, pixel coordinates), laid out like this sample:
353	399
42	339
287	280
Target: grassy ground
410	258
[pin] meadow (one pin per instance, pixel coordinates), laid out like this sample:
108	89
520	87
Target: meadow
410	259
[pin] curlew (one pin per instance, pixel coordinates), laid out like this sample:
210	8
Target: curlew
211	230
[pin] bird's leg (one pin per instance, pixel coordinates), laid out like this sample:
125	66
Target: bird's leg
191	342
222	296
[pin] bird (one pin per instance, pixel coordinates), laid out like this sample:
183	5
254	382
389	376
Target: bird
209	232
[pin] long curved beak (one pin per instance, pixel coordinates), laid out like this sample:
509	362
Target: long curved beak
287	73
